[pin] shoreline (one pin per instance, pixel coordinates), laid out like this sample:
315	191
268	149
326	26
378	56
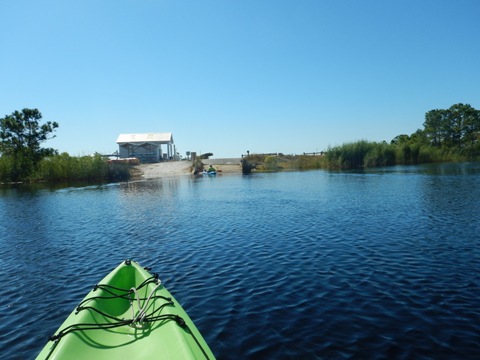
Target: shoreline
180	168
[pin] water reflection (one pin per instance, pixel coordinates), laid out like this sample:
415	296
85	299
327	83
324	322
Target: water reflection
466	168
165	186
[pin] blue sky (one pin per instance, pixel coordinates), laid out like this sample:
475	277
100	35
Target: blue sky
230	76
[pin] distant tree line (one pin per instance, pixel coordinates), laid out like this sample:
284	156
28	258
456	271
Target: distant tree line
458	126
451	134
448	135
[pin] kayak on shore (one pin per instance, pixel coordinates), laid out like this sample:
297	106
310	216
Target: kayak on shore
129	314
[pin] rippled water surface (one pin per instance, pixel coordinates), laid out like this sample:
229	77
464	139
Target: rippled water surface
312	265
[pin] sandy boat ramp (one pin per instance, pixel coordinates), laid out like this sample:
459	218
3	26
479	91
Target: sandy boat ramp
178	168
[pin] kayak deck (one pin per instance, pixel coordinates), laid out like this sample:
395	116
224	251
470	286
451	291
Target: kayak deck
129	314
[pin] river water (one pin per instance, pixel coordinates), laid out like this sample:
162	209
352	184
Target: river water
312	265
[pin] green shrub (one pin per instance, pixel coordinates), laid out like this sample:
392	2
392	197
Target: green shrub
6	167
271	163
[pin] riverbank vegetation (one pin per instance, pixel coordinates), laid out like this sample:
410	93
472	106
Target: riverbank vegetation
66	168
22	159
448	135
451	134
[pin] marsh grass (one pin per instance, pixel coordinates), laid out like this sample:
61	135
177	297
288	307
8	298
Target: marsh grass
85	168
361	154
364	154
64	168
268	162
349	155
380	155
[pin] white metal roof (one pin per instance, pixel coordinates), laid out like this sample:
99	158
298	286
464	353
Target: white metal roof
161	138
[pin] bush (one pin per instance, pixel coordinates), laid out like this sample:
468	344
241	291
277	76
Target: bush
197	166
248	164
271	163
6	168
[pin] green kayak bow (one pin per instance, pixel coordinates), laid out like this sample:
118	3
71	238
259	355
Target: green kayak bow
128	315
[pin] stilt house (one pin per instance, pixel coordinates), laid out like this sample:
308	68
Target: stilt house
150	147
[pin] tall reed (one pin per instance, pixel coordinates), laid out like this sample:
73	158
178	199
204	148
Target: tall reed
348	156
308	162
64	167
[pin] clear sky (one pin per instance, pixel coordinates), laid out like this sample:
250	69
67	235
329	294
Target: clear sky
229	76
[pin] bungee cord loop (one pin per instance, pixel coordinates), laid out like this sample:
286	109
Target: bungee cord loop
138	320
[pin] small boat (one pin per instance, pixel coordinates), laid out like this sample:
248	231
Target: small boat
211	173
128	315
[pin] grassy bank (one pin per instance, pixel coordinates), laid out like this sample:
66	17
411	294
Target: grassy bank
364	154
261	162
65	168
361	154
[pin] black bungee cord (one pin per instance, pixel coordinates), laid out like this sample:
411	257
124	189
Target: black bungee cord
124	294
